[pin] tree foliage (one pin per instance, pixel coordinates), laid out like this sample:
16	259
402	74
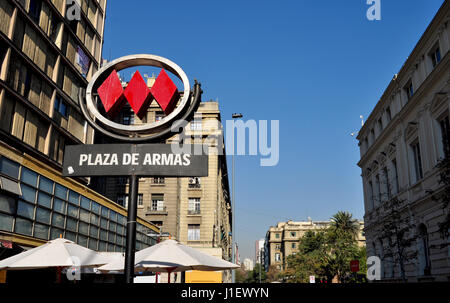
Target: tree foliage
326	254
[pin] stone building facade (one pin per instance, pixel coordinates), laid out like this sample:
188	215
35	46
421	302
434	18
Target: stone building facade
401	144
283	239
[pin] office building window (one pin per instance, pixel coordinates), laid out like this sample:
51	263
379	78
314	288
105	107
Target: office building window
196	124
388	183
194	182
122	199
445	135
395	171
157	202
140	200
417	158
194	206
409	89
435	55
378	188
61	107
293	246
6	11
293	233
159	180
193	232
388	114
277	257
277	236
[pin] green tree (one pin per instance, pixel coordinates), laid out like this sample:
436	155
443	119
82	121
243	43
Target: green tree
256	275
344	223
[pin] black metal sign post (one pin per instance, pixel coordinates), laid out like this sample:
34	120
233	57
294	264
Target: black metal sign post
131	229
134	161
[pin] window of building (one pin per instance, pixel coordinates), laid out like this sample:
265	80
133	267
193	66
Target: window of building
194	182
159	180
409	89
157	202
380	126
417	158
388	183
277	257
61	106
424	251
140	200
388	114
445	135
293	233
9	168
193	232
194	206
378	188
435	55
196	124
35	9
371	195
277	236
277	246
122	199
294	245
372	136
395	171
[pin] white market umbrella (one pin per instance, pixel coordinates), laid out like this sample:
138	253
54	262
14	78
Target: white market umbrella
56	253
172	256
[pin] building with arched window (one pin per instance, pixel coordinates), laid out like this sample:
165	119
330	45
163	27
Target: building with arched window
402	143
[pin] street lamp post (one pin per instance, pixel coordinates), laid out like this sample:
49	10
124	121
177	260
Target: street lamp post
233	214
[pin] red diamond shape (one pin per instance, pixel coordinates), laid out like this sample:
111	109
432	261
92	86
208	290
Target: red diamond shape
165	92
110	93
138	95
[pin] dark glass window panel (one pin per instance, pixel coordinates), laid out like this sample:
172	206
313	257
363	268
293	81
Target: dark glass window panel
46	184
41	231
71	224
42	215
103	235
7	204
93	231
120	229
95	219
59	206
25	210
74	197
93	244
85	203
111	237
112	226
82	240
23	226
113	215
58	220
71	236
57	233
95	207
9	167
29	176
111	247
102	246
72	211
84	215
28	193
6	222
104	223
105	212
119	240
61	191
44	199
83	228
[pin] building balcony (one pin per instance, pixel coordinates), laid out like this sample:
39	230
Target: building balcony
156	210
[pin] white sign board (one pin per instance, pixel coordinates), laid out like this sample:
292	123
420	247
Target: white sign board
312	279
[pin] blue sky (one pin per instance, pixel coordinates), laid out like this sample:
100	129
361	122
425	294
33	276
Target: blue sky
315	66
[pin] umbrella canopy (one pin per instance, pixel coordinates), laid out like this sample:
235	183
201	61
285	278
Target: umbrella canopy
172	256
56	253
